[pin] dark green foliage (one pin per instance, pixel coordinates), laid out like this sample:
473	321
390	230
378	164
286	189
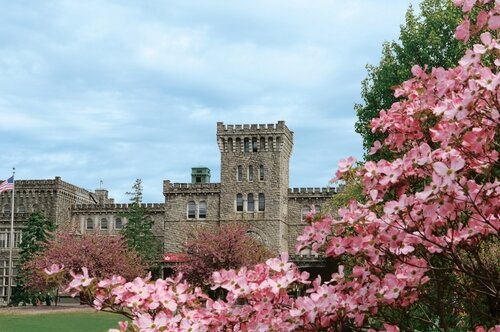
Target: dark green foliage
425	39
37	232
138	231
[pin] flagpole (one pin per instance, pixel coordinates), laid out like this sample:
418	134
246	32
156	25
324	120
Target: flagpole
11	247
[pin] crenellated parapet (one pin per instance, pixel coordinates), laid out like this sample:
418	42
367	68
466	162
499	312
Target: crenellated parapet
48	185
170	188
115	208
280	126
300	193
248	138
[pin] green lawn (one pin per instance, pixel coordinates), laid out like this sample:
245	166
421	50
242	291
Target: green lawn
60	322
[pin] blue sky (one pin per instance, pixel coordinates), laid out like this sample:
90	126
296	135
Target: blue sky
119	90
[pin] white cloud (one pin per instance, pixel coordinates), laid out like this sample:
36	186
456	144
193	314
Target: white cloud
117	90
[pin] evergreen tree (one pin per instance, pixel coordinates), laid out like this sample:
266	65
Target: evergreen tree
38	231
138	231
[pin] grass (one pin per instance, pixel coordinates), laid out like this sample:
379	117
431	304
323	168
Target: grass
60	322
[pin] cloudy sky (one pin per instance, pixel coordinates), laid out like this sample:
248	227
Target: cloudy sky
119	90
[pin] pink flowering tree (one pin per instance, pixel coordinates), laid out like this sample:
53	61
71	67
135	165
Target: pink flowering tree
433	211
211	249
101	256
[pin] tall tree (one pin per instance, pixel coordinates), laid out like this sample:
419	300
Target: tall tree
138	231
226	247
38	231
425	39
103	256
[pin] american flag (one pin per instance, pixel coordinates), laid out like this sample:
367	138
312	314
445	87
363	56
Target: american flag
7	184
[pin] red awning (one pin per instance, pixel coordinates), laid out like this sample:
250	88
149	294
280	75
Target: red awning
176	258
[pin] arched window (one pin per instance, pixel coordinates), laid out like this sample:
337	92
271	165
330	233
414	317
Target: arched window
254	144
21	209
89	224
246	145
261	172
262	144
262	202
191	210
238	144
270	144
230	144
239	173
304	212
104	224
250	173
250	203
202	211
118	223
6	208
35	208
239	202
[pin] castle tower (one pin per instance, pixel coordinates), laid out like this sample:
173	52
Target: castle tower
254	178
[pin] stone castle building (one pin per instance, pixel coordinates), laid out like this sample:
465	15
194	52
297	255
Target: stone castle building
253	189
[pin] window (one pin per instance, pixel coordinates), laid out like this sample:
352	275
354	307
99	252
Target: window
246	145
250	203
4	240
254	144
230	144
250	173
317	208
239	202
104	224
6	208
90	224
191	210
21	209
304	212
238	144
202	212
118	223
239	175
270	144
262	202
198	179
261	172
262	144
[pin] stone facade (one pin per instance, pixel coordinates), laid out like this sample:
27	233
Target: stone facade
254	190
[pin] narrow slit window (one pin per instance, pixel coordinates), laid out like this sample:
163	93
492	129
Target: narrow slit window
246	145
239	175
250	173
254	144
118	223
191	210
261	173
202	213
239	202
89	224
250	203
104	224
262	202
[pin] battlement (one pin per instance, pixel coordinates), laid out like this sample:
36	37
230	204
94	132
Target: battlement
249	128
180	188
118	207
243	138
302	192
57	183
